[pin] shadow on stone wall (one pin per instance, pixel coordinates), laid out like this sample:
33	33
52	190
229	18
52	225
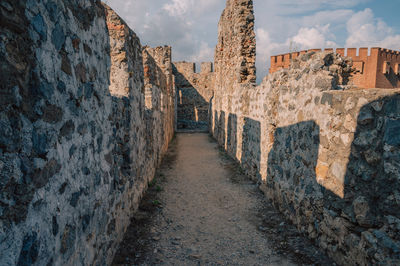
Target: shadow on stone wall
291	177
364	225
192	107
392	77
219	127
232	135
218	130
154	112
215	125
251	150
371	202
20	93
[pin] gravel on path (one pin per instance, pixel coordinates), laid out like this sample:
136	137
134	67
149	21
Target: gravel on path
202	210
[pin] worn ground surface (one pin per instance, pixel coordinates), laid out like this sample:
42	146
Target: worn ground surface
201	210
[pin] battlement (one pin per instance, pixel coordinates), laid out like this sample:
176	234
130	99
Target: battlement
185	67
375	67
206	67
189	68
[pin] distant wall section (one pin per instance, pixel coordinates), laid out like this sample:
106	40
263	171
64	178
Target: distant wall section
194	92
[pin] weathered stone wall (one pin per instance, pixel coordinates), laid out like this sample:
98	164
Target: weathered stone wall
235	56
328	157
194	91
160	94
72	132
380	69
235	52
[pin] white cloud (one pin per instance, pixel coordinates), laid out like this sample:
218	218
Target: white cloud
317	37
301	7
189	26
325	3
264	43
391	42
178	7
332	17
204	54
190	7
366	30
305	38
266	47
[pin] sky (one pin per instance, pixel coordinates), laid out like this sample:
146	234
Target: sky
191	26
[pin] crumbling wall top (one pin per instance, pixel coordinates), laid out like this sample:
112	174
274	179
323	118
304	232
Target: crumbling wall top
235	54
374	68
184	67
158	67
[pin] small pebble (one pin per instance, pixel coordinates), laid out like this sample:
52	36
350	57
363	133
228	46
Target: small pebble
195	256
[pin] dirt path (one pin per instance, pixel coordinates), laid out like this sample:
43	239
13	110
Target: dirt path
201	211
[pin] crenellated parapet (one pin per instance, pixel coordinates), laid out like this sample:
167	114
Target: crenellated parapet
189	68
374	68
186	74
184	67
207	67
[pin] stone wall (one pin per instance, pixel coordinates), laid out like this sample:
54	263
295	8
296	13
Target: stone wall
160	95
328	157
380	69
194	91
73	162
235	52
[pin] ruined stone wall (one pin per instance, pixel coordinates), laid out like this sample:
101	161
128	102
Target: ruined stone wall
236	49
328	157
72	132
194	91
235	54
160	94
380	69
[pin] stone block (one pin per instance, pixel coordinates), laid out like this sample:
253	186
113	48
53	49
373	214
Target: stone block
58	37
30	249
40	26
392	132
